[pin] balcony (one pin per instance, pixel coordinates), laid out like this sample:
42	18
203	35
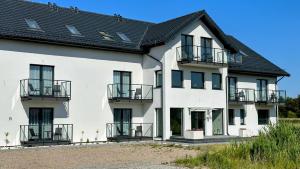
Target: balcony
40	89
129	131
130	93
35	135
206	57
242	96
270	97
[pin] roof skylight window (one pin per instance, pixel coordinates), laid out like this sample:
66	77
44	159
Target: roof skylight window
123	37
73	30
106	36
32	24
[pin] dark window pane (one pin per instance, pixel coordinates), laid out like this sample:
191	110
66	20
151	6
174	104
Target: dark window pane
176	78
216	81
263	117
197	80
231	116
187	47
206	49
232	88
176	121
242	116
158	78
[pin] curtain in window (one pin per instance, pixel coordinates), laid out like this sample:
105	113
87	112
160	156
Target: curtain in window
34	82
116	90
47	80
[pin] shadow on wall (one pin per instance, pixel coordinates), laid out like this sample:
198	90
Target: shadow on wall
60	109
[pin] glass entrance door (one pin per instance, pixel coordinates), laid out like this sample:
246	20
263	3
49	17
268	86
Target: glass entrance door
122	84
176	121
40	124
122	121
198	120
217	120
159	123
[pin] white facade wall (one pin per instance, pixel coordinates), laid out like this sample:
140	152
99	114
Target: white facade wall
92	70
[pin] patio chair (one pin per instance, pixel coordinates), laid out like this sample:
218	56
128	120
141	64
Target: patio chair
139	131
33	135
32	90
56	90
273	97
58	133
242	96
138	93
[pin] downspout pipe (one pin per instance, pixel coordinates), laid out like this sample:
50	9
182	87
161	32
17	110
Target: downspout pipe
276	108
161	89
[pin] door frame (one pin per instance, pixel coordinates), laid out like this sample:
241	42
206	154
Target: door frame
121	120
40	117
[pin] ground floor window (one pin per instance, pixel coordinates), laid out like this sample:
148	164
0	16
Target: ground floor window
176	121
263	117
242	117
231	116
198	120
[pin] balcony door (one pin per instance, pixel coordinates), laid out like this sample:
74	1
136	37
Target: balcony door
122	121
40	124
262	90
198	120
232	88
187	47
122	84
41	80
206	49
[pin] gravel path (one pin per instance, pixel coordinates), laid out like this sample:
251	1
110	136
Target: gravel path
110	156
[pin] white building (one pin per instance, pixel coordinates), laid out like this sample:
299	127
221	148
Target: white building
75	76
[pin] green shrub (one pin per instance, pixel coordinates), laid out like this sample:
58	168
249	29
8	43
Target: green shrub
277	146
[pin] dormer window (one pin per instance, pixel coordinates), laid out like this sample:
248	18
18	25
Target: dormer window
123	37
106	36
73	30
32	24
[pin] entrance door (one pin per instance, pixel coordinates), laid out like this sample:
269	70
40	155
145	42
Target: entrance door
41	80
198	120
217	120
176	121
159	123
122	121
122	84
262	88
40	124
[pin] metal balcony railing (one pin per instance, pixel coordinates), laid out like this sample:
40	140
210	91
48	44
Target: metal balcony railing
129	130
30	88
42	134
120	91
199	54
242	95
270	96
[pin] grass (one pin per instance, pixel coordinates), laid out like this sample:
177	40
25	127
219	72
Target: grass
276	147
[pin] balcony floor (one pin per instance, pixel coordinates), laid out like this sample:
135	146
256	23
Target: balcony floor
202	64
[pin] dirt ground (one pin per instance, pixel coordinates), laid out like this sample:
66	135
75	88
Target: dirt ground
93	156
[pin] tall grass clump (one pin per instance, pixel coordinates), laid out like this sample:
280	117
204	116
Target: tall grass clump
277	147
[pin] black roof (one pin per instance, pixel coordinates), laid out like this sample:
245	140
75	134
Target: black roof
253	63
143	35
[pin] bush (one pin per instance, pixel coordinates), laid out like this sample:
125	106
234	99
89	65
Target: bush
277	146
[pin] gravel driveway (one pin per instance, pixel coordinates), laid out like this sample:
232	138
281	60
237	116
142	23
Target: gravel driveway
138	156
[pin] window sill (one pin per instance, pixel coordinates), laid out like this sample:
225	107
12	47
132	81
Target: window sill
196	88
177	87
216	89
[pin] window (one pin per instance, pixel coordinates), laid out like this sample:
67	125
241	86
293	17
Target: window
262	90
123	37
73	30
263	117
232	89
206	49
106	36
32	24
231	116
187	47
122	84
216	81
177	79
197	80
158	75
41	80
242	116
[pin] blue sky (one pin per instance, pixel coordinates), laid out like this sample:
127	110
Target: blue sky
270	27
